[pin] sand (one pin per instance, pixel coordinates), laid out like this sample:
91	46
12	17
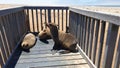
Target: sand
108	10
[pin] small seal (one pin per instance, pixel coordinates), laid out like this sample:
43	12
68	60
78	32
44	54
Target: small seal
28	41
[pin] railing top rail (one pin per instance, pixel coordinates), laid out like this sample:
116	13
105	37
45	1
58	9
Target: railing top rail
5	11
45	7
112	18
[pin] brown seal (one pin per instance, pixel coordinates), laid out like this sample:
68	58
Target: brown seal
44	34
62	40
28	41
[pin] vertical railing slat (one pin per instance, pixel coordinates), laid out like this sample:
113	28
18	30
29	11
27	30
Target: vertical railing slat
98	44
58	20
54	15
45	17
4	52
84	31
86	38
111	45
105	41
41	19
82	26
4	37
91	37
2	61
37	20
87	35
67	21
49	15
116	56
28	22
95	41
33	20
5	30
80	41
62	19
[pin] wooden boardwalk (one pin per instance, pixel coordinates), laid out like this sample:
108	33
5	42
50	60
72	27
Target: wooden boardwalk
40	56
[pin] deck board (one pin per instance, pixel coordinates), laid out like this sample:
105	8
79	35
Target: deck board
40	56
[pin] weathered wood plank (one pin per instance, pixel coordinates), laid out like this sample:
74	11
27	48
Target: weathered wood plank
2	36
49	15
80	31
49	59
99	44
111	45
41	18
36	58
54	15
10	10
91	38
84	65
93	41
37	20
87	31
47	55
58	12
6	34
52	63
116	57
105	41
32	12
46	7
84	28
2	61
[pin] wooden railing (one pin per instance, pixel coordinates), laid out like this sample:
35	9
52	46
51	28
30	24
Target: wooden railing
12	28
16	21
98	35
44	14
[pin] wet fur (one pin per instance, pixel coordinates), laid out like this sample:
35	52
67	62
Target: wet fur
62	40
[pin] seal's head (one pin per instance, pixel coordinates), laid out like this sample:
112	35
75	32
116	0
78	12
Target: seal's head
25	45
53	29
44	34
51	25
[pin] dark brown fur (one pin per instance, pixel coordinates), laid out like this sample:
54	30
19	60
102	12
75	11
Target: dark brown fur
62	40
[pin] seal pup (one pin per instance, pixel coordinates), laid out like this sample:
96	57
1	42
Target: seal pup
28	41
44	34
61	39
